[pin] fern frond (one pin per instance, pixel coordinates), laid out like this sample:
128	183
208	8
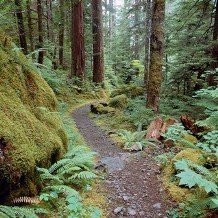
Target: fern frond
26	200
21	212
84	175
47	176
64	189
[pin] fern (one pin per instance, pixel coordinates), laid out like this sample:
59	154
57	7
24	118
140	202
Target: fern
133	139
84	175
20	212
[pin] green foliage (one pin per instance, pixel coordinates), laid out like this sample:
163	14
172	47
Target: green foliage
164	158
53	78
20	212
137	113
175	132
209	142
133	140
187	24
192	174
130	90
119	101
208	99
75	168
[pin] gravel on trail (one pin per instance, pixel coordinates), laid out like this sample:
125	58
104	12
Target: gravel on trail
132	181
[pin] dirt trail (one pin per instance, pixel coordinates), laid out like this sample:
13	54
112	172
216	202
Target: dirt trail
132	182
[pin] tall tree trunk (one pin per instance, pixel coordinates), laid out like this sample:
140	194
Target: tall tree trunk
157	46
111	21
77	42
147	43
30	25
136	23
215	37
98	52
21	28
40	31
49	20
61	34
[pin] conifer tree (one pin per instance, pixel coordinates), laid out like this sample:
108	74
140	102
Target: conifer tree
98	51
157	46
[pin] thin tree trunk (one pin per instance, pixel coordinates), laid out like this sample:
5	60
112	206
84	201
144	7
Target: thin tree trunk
40	31
21	28
30	25
77	42
98	53
49	23
111	22
136	21
61	34
147	43
48	18
157	47
215	37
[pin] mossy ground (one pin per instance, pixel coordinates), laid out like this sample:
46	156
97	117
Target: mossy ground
31	130
180	194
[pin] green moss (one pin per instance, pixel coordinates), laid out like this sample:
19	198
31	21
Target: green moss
30	128
99	108
180	194
130	91
119	101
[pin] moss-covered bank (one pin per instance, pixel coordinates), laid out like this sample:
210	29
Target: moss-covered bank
31	131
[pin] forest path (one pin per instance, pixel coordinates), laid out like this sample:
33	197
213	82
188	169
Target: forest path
132	183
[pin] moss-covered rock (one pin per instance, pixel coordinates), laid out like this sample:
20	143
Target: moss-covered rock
31	131
119	101
130	91
101	108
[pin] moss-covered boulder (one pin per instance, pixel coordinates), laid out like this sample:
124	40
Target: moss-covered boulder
131	91
31	131
119	101
101	108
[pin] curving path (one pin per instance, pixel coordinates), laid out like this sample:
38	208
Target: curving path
132	182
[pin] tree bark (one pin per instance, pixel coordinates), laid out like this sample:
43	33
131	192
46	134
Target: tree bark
111	21
136	23
215	37
77	42
21	28
40	31
98	51
49	20
157	48
61	34
147	43
30	25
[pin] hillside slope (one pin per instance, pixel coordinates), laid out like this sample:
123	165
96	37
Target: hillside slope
31	131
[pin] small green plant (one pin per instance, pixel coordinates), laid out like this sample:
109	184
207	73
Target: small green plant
75	168
209	142
202	182
164	159
133	140
20	212
192	174
175	132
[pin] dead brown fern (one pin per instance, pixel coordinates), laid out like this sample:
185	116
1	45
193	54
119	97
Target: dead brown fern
26	200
